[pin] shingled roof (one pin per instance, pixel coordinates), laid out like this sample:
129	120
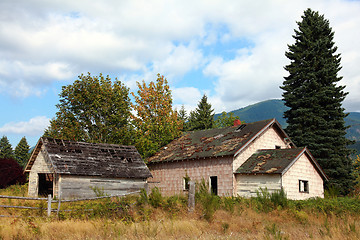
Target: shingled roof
276	161
91	159
213	142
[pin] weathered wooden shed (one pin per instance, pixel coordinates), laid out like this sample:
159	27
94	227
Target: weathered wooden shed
68	169
293	169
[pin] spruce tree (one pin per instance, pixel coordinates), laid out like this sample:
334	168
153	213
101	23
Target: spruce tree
316	117
6	150
22	152
202	117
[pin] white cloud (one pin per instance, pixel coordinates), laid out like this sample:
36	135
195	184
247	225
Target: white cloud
34	127
47	41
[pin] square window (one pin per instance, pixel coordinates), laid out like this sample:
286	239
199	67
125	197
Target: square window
304	186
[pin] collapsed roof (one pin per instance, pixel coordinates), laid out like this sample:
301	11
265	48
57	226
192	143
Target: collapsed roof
214	142
90	159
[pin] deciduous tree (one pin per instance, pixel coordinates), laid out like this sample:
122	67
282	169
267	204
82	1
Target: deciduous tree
93	109
225	120
311	91
155	121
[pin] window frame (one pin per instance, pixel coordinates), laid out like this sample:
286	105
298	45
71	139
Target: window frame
303	186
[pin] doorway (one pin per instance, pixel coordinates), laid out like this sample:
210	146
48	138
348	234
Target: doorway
45	184
214	185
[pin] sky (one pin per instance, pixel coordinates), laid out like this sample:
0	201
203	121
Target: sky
232	51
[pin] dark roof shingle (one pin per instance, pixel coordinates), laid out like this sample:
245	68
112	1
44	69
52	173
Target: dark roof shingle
272	161
92	159
210	143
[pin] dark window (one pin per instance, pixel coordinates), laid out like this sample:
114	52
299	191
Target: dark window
214	185
277	147
303	186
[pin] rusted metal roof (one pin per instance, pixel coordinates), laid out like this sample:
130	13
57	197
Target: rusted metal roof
91	159
276	161
212	142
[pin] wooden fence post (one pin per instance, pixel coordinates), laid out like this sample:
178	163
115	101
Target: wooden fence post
49	205
191	200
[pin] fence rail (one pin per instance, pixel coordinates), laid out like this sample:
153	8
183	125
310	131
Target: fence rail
50	200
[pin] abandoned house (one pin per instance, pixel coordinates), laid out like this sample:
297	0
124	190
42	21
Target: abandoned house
237	161
68	169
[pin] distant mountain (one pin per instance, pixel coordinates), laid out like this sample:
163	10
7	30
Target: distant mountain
275	108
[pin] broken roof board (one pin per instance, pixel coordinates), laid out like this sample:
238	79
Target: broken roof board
216	142
91	159
276	161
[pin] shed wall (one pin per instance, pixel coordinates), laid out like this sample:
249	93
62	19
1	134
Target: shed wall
247	185
82	186
302	169
40	165
169	176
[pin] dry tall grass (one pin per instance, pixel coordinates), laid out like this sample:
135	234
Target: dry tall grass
244	224
140	220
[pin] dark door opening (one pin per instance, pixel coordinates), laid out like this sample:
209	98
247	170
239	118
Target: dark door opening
214	185
45	184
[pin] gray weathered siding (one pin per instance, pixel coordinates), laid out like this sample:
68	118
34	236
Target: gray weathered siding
82	186
40	166
247	185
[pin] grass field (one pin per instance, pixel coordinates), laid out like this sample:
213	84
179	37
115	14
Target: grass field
155	217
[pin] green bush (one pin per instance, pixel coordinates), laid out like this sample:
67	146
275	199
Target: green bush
155	198
208	201
266	201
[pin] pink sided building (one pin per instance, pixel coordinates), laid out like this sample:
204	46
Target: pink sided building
237	161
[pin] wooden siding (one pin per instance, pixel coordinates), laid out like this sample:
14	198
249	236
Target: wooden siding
40	166
169	176
82	186
268	140
302	169
247	185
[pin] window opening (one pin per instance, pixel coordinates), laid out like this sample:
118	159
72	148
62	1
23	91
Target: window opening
303	186
214	185
277	147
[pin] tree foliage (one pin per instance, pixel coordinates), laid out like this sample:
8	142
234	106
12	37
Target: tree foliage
93	109
316	117
22	152
202	117
225	120
10	173
155	121
6	150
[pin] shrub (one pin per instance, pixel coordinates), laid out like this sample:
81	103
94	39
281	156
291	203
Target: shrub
209	202
10	173
155	198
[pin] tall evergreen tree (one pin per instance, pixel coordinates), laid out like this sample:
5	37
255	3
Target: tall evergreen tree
202	117
22	152
6	150
316	116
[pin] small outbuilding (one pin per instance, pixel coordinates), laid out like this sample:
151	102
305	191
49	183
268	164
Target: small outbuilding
69	169
292	169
